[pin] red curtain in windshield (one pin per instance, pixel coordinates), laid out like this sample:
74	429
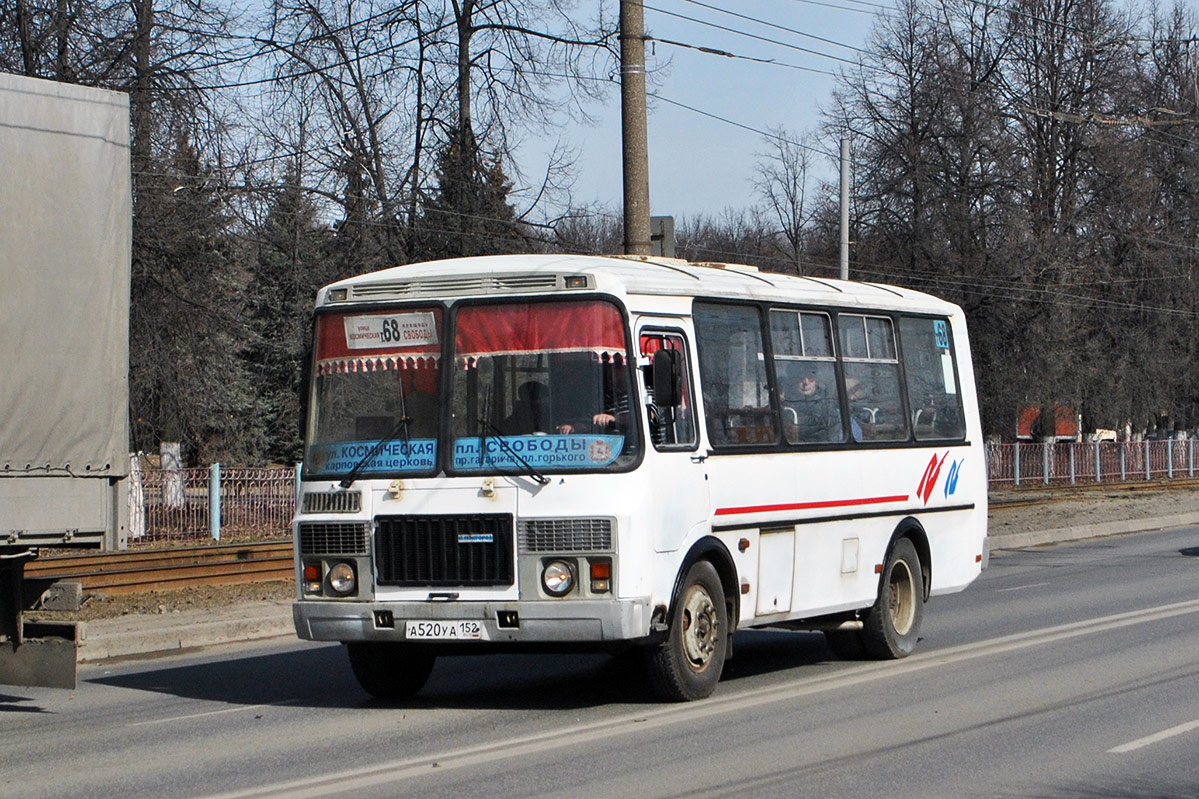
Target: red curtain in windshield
408	338
594	327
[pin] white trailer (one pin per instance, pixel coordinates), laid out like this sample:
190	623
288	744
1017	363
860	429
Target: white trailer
65	244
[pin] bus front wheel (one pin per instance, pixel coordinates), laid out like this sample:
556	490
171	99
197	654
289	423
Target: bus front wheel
892	626
687	665
388	670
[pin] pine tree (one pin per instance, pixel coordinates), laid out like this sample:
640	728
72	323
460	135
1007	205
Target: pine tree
469	213
187	380
291	263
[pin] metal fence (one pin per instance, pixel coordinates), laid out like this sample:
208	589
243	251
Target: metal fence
228	504
241	504
1074	463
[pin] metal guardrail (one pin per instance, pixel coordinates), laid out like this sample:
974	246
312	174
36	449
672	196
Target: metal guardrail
1079	462
210	503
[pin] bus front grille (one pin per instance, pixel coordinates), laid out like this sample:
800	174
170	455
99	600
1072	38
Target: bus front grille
332	502
566	535
333	538
444	551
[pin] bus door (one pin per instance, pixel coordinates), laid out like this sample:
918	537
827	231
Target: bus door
680	483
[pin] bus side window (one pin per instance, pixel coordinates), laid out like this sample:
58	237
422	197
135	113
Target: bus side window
732	370
871	364
671	427
805	368
932	379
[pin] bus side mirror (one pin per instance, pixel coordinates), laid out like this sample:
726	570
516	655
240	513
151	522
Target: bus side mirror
668	378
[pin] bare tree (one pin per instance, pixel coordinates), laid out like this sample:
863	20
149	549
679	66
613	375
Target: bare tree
782	182
77	41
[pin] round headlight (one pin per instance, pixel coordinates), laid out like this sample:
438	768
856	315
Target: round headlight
558	577
341	579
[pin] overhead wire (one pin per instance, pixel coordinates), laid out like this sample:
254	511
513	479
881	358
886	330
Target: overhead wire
726	54
879	9
774	25
743	126
747	34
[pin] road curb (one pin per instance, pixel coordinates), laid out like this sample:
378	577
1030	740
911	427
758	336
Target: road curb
1061	535
160	634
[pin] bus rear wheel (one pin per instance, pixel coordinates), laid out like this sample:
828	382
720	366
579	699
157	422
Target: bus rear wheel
687	665
892	626
388	670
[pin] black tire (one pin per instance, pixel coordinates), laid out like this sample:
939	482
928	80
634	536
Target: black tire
687	665
388	670
846	644
892	626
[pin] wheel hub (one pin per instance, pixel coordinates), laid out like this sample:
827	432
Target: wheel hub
700	629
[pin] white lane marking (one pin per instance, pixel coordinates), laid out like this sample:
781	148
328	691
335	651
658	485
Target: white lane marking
1021	587
198	715
1155	738
350	781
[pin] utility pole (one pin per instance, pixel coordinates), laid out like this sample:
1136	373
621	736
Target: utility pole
844	208
632	126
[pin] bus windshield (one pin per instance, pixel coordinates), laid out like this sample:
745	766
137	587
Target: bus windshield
376	392
542	386
537	386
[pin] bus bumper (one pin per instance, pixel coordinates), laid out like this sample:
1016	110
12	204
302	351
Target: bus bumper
582	621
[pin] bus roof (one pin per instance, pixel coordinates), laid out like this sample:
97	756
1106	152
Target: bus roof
623	275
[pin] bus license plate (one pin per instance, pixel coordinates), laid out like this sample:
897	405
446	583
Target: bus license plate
444	630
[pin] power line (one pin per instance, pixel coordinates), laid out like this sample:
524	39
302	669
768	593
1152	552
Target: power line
743	126
726	54
775	26
748	35
880	10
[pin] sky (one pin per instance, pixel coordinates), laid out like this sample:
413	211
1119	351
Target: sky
701	162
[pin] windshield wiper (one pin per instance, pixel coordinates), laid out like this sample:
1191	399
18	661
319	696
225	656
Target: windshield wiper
400	427
491	431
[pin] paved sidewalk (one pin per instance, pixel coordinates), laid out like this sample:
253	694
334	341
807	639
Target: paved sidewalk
1009	541
146	634
152	634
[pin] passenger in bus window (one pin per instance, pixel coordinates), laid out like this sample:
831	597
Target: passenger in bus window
878	409
810	412
861	416
616	399
615	411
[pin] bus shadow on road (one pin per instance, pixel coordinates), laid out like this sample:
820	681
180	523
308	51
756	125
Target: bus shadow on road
760	652
315	677
320	677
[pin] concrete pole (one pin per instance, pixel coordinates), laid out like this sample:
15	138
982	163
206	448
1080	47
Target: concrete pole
844	208
633	128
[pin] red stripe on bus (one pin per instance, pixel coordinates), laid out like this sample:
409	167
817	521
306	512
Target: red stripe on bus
830	503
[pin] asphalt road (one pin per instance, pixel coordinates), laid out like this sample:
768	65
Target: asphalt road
1069	671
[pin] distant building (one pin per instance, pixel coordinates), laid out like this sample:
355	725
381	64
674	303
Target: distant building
1033	424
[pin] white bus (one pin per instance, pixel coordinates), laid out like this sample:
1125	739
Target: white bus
552	451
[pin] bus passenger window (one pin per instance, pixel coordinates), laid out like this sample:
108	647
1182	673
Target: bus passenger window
871	366
807	376
733	371
808	396
932	381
